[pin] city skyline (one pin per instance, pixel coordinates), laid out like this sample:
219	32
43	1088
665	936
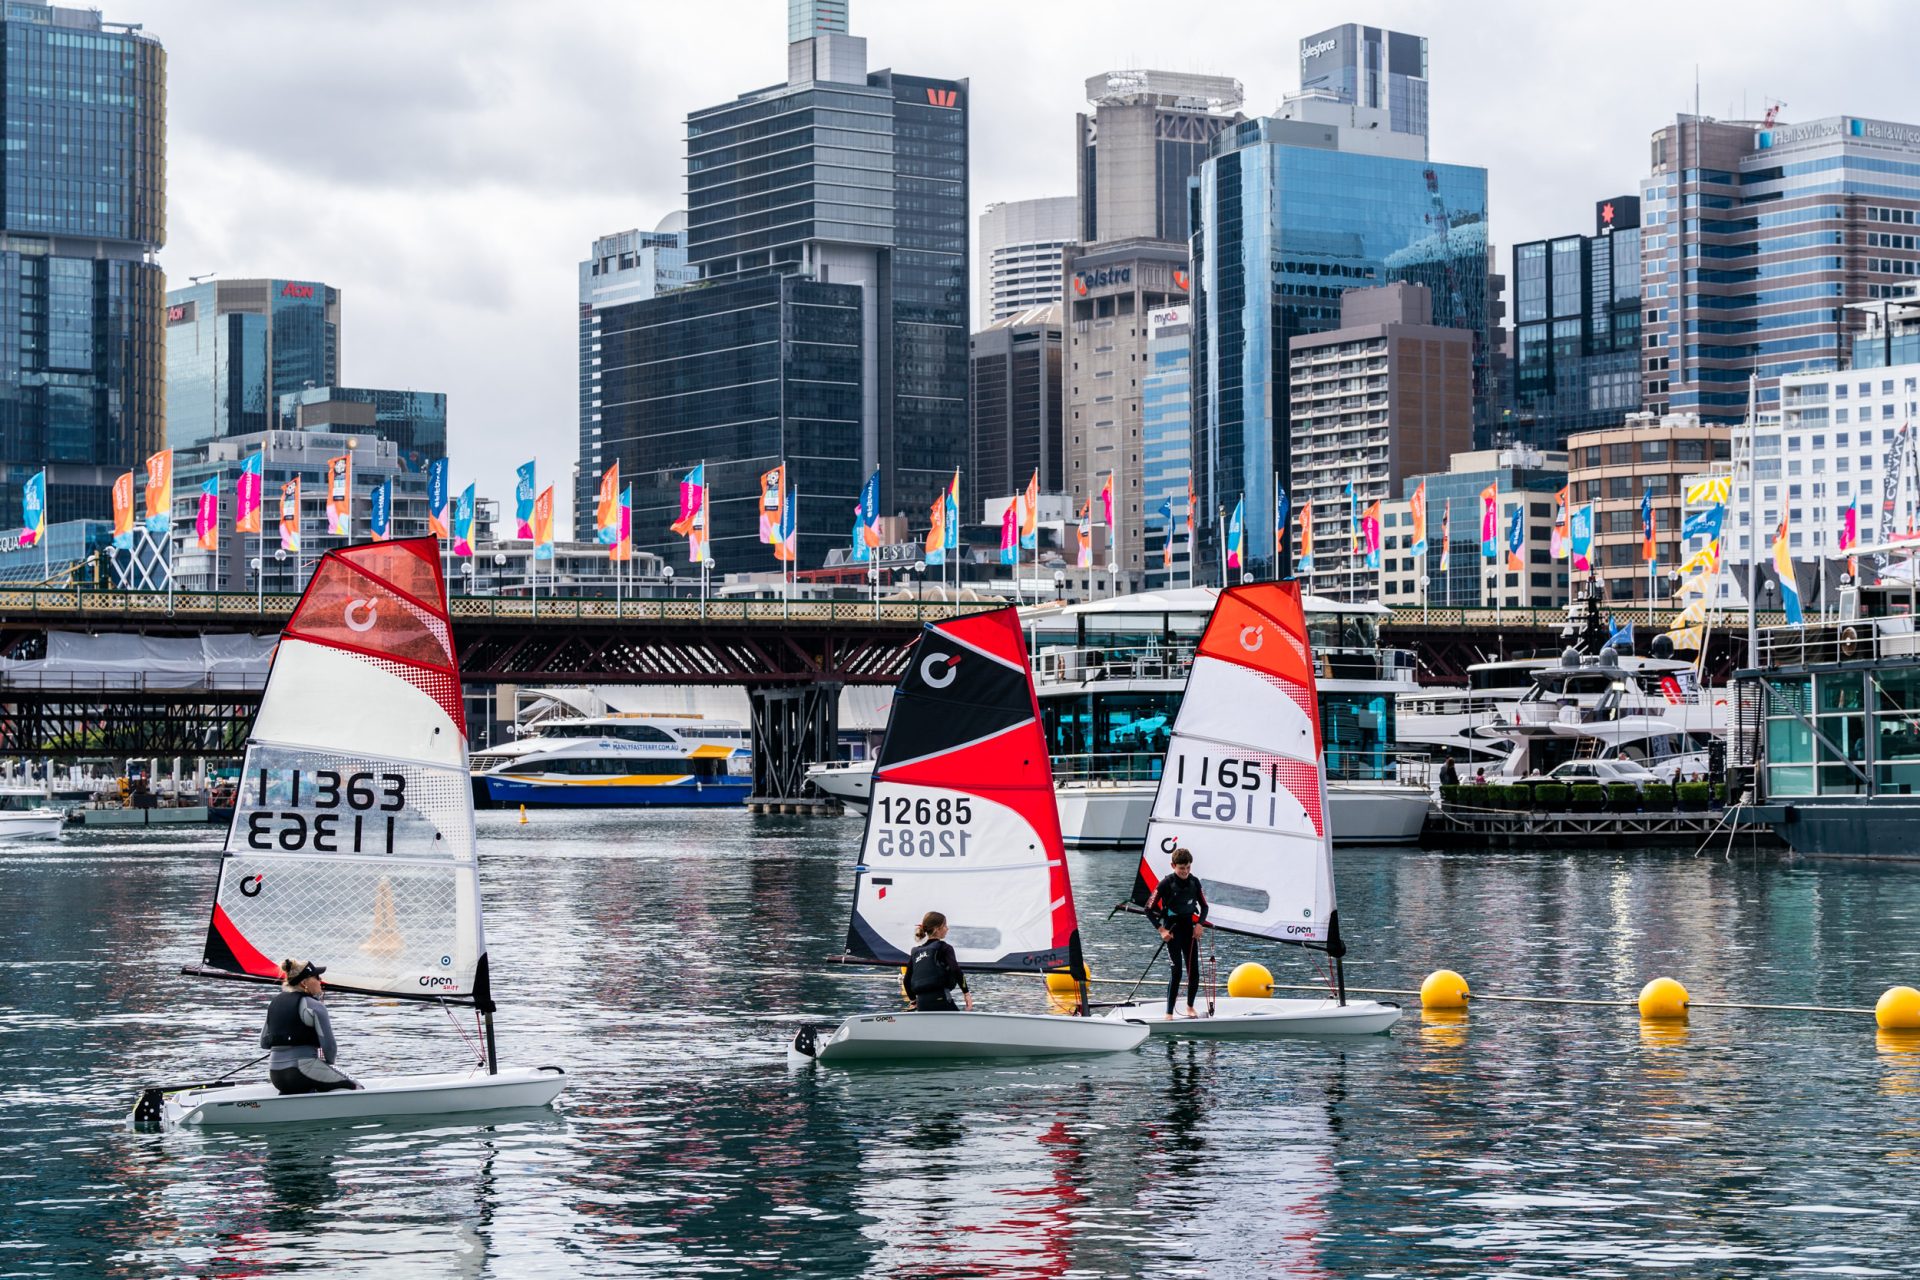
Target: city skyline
450	198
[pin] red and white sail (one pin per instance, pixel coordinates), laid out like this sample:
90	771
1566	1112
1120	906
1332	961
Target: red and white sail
962	818
352	842
1244	788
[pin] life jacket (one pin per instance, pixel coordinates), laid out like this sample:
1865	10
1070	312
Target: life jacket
285	1027
925	972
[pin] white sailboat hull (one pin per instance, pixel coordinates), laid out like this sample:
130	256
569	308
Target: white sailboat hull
1110	815
31	824
877	1037
1241	1016
384	1097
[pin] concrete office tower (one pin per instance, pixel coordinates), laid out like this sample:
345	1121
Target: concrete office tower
1020	244
627	266
1147	135
1387	395
1576	329
1291	218
1371	81
835	206
83	185
1016	403
1730	291
234	347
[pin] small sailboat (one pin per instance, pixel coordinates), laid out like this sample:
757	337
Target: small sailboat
352	841
1244	790
962	821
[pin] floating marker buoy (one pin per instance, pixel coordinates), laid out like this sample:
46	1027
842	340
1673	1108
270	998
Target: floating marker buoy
1444	989
523	815
1898	1009
1063	985
1250	981
1663	999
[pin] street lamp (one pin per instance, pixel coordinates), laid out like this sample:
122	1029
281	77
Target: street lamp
919	581
666	572
1059	586
1425	582
1113	577
1246	579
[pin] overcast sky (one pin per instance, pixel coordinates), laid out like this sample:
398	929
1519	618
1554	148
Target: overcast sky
447	163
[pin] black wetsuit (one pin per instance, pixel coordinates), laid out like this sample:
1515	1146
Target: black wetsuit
932	971
1179	906
300	1035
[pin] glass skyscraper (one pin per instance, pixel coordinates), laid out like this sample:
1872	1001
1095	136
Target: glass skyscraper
1576	305
1166	445
415	421
234	347
82	212
1287	224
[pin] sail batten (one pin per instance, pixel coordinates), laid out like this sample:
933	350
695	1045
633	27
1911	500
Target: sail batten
1243	787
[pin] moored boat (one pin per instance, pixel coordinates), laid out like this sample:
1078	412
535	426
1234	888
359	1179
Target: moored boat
27	813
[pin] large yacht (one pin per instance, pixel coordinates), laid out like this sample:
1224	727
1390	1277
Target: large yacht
1110	674
618	761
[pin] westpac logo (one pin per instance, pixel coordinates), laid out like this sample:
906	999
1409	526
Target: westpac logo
943	97
292	290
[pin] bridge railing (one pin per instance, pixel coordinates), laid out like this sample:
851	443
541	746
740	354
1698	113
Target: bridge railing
1544	616
132	682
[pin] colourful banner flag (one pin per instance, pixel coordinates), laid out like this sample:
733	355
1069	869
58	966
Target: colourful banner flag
523	487
1010	532
1516	537
1353	521
1030	517
380	517
439	494
623	549
206	520
33	510
1166	548
1303	563
1705	524
692	523
1490	523
606	514
1446	534
340	496
1850	526
866	527
1370	533
290	515
936	548
123	512
249	494
1648	552
1783	569
1580	538
160	492
1280	509
786	539
1084	557
1560	544
953	513
1236	536
463	522
1417	517
1106	502
1190	511
543	525
1712	489
773	502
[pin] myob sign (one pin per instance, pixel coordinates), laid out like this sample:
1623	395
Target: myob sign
1167	318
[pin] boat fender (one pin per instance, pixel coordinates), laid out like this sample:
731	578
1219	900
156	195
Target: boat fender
1849	641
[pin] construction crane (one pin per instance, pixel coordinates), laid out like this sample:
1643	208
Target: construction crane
1773	112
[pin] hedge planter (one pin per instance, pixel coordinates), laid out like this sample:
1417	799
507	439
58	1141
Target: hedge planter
1657	797
1588	797
1692	795
1550	797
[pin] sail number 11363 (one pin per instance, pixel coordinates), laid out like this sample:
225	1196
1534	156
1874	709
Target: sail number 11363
370	800
922	826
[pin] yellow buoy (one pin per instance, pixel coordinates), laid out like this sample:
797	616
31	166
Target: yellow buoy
523	815
1063	985
1250	981
1898	1009
1444	989
1663	998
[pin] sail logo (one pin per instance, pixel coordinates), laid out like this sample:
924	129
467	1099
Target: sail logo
944	679
433	980
250	886
1252	637
371	609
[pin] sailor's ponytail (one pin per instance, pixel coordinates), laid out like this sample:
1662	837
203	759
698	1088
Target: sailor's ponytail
928	923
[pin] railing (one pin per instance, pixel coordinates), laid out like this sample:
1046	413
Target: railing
1477	617
1854	640
93	682
1055	665
1124	768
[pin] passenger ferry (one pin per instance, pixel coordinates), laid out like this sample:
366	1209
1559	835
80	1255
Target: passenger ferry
618	761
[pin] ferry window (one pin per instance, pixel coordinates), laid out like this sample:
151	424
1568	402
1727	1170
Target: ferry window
640	733
1356	729
1134	725
1789	742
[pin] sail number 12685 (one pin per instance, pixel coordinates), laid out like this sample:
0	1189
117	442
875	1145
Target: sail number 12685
923	826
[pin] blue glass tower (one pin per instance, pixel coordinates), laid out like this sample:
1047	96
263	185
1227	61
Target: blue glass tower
235	347
1166	445
82	212
1287	223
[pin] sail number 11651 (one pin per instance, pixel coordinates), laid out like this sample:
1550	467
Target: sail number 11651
1230	790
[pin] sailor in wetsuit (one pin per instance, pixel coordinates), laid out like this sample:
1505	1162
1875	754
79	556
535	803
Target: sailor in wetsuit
1178	909
933	970
300	1034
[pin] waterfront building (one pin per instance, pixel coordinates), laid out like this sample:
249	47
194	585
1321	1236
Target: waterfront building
1529	478
839	179
1020	244
1576	305
72	552
1387	395
1757	236
235	347
1016	403
627	266
1614	468
83	198
416	421
1166	446
1292	215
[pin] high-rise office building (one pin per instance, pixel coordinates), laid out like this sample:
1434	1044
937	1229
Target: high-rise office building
1756	238
82	212
1521	477
1147	135
1379	76
234	347
1576	304
1615	469
627	266
1387	395
1166	446
1291	217
415	421
1020	253
1016	404
843	176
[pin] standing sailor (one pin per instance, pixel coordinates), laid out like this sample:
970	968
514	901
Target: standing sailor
933	970
1178	909
300	1034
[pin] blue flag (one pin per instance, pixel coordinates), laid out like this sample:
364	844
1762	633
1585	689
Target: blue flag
1705	522
1620	637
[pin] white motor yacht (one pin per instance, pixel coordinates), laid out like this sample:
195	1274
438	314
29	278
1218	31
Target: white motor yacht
27	813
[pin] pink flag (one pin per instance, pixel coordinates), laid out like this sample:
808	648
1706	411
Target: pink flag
206	521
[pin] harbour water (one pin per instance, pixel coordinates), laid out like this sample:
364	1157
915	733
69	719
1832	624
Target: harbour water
663	957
